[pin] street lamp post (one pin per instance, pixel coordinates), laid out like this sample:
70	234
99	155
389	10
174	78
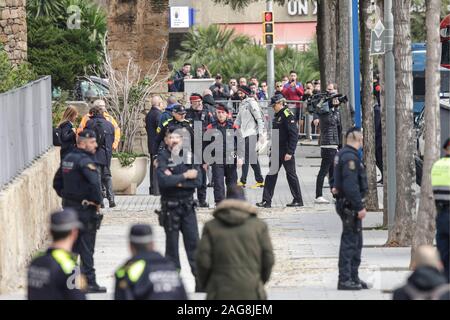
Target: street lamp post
270	58
355	79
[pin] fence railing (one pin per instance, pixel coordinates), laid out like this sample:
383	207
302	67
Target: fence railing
25	127
306	128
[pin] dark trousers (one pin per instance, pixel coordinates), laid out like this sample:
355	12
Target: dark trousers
326	167
223	174
154	187
291	175
106	181
379	159
184	220
350	252
250	149
443	236
201	192
85	244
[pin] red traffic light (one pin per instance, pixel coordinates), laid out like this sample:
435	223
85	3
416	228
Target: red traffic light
268	16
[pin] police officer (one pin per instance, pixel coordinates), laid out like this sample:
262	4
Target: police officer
77	182
52	274
350	186
224	166
178	178
440	180
198	114
178	121
284	121
147	275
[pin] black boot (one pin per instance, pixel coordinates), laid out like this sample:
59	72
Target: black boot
349	285
295	204
95	288
264	204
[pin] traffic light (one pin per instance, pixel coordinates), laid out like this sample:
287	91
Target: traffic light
268	27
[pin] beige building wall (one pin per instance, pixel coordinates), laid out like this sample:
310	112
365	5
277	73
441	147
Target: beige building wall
25	206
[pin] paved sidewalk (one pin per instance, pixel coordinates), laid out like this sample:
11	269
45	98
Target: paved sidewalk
306	242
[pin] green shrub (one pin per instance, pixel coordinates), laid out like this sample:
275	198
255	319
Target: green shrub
13	77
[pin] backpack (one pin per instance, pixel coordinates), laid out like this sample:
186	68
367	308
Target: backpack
57	137
100	131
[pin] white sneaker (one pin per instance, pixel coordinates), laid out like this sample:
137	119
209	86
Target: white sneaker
321	200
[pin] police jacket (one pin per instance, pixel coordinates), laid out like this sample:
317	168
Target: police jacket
226	135
350	177
67	138
171	124
205	116
172	183
148	276
440	179
77	179
286	125
103	154
50	276
151	125
330	127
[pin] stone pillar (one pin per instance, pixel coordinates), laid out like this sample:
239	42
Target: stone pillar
138	29
13	29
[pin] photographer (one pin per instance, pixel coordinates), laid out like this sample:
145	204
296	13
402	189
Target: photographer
328	118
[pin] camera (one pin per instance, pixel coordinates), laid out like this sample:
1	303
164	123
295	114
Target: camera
322	102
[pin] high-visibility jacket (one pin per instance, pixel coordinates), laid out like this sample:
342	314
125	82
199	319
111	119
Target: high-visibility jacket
440	179
108	117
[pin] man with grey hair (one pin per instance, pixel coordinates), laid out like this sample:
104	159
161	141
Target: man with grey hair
167	113
151	125
427	281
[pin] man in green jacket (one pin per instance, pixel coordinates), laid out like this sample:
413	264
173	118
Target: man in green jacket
235	255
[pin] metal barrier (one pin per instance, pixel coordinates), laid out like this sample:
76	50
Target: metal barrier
25	127
306	128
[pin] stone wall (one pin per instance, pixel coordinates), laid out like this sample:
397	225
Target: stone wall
137	29
13	29
25	206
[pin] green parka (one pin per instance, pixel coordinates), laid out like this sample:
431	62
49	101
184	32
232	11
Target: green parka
235	255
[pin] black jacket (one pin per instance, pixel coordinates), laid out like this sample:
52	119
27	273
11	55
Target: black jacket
285	122
330	127
103	154
231	148
171	181
225	95
350	177
171	124
178	81
148	276
423	281
48	276
77	178
151	126
209	103
68	138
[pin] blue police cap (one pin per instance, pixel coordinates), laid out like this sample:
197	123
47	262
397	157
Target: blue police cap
141	234
178	108
87	133
276	98
63	221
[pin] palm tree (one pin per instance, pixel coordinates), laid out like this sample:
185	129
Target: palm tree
424	231
239	4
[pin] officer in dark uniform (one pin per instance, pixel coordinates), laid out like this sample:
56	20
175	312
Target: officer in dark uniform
440	180
284	121
147	275
178	178
52	274
224	167
198	114
350	186
77	182
178	121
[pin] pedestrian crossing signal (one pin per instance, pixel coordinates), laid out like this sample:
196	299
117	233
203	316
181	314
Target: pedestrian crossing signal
268	28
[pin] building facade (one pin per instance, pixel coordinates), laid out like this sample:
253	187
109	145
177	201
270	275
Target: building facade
13	29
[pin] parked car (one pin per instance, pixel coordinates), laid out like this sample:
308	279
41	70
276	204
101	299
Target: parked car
88	87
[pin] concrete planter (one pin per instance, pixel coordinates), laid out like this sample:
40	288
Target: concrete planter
127	179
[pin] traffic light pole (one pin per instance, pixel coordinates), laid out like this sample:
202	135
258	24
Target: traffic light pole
355	80
270	58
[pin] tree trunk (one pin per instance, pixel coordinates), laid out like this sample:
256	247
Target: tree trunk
367	108
425	226
380	4
402	230
326	41
342	62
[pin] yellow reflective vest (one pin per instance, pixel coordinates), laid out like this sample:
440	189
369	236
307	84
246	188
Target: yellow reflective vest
440	179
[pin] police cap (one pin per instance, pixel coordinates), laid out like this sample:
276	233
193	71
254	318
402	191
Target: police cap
141	234
277	98
446	144
178	108
87	133
63	221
